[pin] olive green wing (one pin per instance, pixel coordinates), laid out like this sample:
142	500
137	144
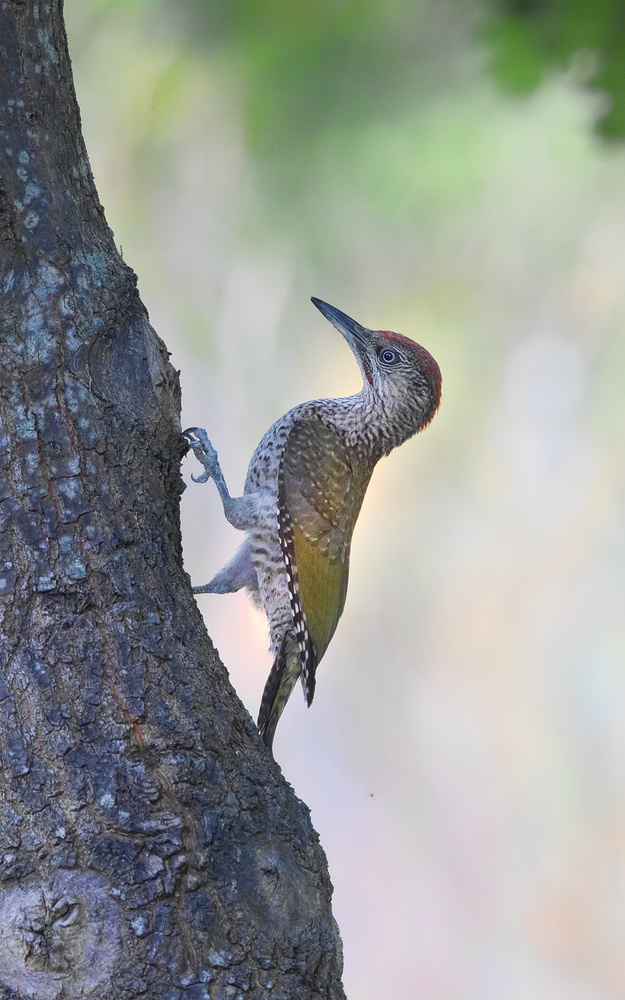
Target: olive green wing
320	493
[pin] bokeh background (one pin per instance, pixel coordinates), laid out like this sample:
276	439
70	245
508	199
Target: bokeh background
441	168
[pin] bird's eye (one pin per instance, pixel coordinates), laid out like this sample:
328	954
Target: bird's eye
388	357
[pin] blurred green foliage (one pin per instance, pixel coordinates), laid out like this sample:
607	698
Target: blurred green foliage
317	86
585	37
314	76
351	101
305	66
310	63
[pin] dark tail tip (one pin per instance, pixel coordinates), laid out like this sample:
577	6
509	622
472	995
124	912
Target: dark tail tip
283	675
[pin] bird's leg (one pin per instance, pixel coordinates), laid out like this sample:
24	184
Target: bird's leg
239	511
239	572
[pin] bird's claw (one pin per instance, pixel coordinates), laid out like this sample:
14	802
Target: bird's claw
197	439
203	478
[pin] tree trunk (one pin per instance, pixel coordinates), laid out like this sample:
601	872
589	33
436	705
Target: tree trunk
149	845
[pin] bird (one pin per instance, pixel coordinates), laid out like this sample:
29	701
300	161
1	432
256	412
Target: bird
303	492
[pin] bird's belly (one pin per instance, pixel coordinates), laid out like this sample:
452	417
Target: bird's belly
268	562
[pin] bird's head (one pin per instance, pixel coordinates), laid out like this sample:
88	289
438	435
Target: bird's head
401	374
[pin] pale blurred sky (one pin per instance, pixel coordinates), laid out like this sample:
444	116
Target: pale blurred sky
464	758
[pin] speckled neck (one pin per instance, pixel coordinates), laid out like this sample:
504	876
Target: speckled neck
370	424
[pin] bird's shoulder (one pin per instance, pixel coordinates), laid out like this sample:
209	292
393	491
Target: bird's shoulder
262	473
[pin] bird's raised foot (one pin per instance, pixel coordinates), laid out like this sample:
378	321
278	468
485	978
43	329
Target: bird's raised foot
197	439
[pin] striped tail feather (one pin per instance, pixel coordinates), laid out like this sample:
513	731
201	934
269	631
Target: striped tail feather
287	667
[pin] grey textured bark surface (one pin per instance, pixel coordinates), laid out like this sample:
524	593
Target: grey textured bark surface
149	845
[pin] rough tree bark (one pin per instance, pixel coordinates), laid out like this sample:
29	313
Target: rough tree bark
149	845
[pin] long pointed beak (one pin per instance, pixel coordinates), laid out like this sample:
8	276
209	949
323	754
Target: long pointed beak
357	336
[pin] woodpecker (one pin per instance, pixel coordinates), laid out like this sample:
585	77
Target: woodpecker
304	489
